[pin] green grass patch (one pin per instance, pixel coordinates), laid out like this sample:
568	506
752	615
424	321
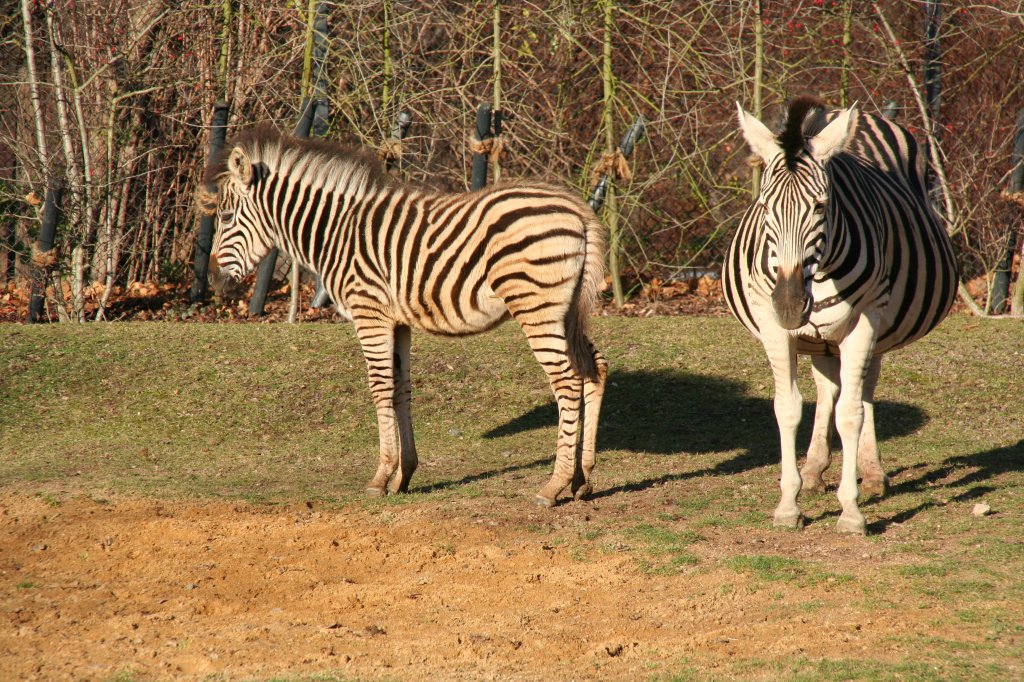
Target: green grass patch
663	550
773	568
768	567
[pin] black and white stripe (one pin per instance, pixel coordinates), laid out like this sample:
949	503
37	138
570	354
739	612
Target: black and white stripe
397	257
841	257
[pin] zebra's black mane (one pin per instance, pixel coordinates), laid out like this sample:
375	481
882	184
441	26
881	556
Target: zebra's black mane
805	119
264	138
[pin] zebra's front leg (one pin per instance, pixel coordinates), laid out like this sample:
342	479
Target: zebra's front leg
869	463
781	350
377	339
857	352
593	394
819	454
403	405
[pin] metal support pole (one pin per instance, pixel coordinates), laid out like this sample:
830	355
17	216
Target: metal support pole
44	255
478	177
204	241
398	132
264	275
629	140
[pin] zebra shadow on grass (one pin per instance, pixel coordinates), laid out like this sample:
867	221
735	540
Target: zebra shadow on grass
970	477
668	412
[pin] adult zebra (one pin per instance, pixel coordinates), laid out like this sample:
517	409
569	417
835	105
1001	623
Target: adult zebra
395	257
842	258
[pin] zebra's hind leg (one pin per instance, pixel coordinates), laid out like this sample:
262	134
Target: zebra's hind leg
869	464
593	394
403	406
819	454
377	339
551	350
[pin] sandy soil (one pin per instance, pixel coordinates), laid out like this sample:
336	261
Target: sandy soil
183	590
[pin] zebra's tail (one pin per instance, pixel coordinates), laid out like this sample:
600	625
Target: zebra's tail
591	283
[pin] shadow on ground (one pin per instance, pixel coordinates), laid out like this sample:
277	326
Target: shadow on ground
966	477
676	413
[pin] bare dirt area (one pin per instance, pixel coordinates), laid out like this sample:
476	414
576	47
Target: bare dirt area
133	588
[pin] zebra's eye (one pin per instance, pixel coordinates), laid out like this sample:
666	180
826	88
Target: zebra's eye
226	216
819	208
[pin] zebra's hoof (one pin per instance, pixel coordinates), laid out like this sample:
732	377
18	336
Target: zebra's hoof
546	502
788	520
375	492
851	524
397	487
583	492
874	486
813	484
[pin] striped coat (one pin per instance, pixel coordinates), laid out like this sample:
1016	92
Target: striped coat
396	257
841	257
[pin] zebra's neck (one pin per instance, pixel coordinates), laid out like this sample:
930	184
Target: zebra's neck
308	212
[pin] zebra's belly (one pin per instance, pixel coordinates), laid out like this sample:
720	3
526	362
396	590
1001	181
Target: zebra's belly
344	312
474	316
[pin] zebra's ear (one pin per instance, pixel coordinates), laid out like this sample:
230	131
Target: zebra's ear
762	141
240	167
834	137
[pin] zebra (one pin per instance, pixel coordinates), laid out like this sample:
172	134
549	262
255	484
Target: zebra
841	257
395	257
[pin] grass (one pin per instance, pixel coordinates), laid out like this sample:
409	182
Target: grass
279	414
768	567
663	550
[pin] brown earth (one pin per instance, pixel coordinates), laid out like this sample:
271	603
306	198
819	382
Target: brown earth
165	589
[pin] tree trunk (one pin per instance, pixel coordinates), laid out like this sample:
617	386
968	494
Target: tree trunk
611	212
1001	281
75	179
844	74
33	84
755	178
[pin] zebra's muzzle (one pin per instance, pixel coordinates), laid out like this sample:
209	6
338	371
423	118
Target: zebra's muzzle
790	300
226	286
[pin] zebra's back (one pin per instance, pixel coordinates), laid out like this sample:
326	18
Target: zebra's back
450	264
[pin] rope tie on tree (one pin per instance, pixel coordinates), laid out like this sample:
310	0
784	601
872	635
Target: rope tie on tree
491	147
613	164
1013	197
44	259
207	196
390	150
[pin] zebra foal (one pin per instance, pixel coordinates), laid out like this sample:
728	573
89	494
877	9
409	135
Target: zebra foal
841	257
396	257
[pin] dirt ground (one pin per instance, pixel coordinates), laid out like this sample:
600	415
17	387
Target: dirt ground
154	589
